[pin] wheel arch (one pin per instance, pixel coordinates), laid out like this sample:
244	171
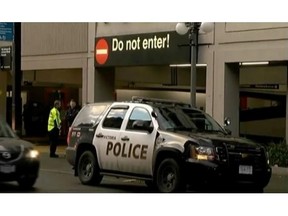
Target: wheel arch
80	149
164	153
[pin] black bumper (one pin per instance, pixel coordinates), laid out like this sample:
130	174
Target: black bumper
71	155
199	172
24	168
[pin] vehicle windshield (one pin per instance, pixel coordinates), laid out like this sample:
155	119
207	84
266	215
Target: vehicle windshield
6	131
174	118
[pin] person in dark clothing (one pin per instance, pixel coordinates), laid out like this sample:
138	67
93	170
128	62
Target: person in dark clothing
71	112
27	119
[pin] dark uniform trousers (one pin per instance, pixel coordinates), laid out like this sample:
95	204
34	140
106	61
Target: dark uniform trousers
53	140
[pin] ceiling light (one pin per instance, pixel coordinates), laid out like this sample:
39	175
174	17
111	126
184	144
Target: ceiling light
187	65
254	63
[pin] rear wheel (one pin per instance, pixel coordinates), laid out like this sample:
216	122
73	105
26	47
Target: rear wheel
168	176
88	169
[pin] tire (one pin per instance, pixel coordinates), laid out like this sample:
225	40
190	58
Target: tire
26	183
88	169
168	177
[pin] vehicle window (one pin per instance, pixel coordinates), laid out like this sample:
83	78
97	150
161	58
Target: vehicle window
203	121
89	115
199	119
139	114
114	118
174	118
181	118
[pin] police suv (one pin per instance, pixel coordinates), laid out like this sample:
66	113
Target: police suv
167	144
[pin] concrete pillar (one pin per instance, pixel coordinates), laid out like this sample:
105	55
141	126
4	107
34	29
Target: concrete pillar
286	125
88	71
226	93
231	96
84	89
210	84
3	87
104	84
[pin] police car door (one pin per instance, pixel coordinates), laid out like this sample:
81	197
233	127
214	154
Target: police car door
137	141
107	136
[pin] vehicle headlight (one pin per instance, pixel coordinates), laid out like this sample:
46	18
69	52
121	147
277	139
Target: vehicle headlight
202	153
32	154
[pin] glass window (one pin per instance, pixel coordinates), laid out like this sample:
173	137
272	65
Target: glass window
115	118
89	115
187	119
139	114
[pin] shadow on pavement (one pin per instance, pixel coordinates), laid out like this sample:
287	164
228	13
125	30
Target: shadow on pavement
11	187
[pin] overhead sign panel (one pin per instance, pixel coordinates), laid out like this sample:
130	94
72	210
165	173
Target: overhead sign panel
6	31
5	58
142	49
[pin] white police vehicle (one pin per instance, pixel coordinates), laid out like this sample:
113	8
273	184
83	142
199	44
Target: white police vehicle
167	144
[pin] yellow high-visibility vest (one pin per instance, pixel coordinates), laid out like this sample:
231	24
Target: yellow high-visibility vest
54	116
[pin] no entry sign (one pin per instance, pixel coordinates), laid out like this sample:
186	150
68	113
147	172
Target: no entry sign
158	48
101	51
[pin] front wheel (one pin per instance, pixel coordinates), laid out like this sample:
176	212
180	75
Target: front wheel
168	176
88	169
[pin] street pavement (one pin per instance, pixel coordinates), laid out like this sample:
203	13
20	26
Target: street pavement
44	148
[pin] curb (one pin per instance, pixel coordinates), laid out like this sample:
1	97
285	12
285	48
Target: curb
279	170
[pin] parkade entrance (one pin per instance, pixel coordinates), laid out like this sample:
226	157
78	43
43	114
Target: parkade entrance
38	91
263	100
262	93
261	89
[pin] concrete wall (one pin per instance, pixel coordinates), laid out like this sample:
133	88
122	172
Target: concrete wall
64	76
48	46
112	29
60	47
54	38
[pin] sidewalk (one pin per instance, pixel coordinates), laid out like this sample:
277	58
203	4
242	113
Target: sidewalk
42	144
61	149
279	170
43	140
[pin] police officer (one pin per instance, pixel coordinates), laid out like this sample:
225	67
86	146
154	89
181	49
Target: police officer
54	127
71	112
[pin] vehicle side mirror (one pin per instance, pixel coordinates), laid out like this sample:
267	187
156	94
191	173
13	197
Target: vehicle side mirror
154	115
227	121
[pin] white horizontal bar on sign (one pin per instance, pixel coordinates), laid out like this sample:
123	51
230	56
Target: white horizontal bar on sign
101	51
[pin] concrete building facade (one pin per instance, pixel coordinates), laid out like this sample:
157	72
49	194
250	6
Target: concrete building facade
62	56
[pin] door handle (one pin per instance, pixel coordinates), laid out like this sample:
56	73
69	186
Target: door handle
125	138
99	135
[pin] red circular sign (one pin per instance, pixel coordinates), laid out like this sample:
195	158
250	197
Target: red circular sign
101	51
